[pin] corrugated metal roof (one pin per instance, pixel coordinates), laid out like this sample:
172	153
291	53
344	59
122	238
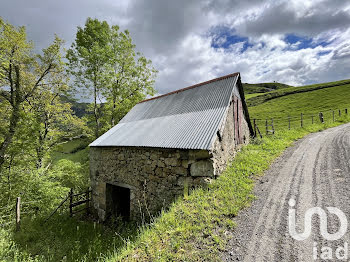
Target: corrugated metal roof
187	118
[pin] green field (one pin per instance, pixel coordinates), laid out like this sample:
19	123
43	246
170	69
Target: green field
75	150
262	98
309	103
263	87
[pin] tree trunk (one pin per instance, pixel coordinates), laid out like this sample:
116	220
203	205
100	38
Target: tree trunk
96	114
8	137
113	111
15	103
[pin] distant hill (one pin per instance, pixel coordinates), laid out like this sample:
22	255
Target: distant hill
262	87
79	108
256	99
309	100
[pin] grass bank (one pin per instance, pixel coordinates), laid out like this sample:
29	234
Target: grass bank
63	238
194	227
260	99
310	104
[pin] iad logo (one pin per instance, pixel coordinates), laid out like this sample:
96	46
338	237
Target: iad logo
323	222
326	252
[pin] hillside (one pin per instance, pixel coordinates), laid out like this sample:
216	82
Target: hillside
263	87
257	99
309	100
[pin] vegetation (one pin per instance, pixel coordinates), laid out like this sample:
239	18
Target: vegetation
103	60
262	87
43	144
260	99
309	103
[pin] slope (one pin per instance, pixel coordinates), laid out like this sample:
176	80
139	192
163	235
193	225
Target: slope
310	103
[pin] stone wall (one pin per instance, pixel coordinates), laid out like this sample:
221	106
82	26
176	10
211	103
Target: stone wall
225	146
155	177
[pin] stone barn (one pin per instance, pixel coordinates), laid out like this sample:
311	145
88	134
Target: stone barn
167	145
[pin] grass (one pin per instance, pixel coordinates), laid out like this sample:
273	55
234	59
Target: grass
262	87
260	99
247	96
64	238
310	103
75	150
194	227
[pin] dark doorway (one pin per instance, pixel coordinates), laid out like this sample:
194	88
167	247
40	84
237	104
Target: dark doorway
117	201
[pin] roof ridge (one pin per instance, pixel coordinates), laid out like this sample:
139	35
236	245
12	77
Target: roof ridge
193	86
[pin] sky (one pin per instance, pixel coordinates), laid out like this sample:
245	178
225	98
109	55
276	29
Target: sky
296	42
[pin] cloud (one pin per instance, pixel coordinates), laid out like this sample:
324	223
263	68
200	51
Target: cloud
295	42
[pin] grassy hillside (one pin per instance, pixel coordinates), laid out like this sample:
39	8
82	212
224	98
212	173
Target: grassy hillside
76	150
263	87
309	103
259	99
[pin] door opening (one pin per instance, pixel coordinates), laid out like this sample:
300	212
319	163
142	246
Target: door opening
117	201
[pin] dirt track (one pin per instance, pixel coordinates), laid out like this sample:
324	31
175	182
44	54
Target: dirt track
316	173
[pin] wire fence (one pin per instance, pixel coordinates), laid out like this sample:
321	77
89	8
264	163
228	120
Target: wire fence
268	126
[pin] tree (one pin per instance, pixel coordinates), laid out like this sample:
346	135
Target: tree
53	121
104	60
130	76
87	57
22	73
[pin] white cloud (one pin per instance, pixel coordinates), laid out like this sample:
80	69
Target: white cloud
177	35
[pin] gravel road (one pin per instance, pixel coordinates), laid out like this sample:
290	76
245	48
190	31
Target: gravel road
315	172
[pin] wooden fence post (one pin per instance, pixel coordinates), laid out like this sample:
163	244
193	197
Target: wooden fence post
346	111
339	112
71	202
333	117
266	126
321	117
88	201
289	122
254	127
301	119
18	214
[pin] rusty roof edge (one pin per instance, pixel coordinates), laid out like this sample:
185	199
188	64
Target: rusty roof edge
224	116
193	86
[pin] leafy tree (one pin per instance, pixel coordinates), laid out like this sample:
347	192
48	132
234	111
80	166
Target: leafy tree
22	73
53	122
87	59
104	60
129	78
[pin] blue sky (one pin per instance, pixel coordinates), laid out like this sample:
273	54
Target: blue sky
224	37
294	42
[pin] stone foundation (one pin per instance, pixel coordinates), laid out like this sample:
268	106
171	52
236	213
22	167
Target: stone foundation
155	177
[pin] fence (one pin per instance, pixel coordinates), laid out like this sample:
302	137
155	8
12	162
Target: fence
75	200
12	214
290	122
